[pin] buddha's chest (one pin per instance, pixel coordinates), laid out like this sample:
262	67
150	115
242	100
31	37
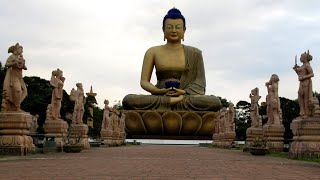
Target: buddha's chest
165	60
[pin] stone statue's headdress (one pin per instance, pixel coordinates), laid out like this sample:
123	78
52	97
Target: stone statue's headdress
307	55
13	48
174	13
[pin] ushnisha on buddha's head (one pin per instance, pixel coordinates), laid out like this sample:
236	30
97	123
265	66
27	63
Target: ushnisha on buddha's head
174	25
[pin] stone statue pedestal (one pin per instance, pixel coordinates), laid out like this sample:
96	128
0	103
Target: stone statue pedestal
116	138
106	136
274	136
57	127
122	138
215	138
14	130
252	132
229	139
306	139
221	141
80	131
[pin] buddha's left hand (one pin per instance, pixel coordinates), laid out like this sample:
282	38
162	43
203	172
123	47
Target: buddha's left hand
176	92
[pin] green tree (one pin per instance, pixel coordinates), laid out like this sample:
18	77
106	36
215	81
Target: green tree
242	120
97	121
224	101
290	110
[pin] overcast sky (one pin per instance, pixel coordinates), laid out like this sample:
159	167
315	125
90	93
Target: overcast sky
102	43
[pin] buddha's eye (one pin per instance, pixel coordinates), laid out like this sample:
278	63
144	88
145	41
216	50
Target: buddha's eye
169	27
178	27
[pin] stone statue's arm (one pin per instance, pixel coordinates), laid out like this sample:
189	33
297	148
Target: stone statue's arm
309	75
11	62
147	68
53	81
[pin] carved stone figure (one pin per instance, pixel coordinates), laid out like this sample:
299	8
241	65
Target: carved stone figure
180	73
14	88
106	123
122	122
305	95
254	110
231	115
57	81
78	97
115	120
274	112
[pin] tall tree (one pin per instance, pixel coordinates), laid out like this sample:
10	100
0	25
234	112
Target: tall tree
243	120
290	110
224	101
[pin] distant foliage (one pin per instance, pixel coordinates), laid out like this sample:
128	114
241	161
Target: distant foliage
224	102
290	110
243	120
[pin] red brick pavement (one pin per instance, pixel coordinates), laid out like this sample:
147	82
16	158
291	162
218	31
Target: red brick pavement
156	162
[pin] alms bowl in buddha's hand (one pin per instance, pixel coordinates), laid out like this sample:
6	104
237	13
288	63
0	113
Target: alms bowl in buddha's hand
172	83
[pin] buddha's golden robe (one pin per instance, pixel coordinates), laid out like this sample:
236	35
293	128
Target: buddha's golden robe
192	80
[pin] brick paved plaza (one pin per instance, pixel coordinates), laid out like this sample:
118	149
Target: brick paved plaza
156	162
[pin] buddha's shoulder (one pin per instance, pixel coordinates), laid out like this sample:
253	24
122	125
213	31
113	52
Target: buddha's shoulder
154	49
191	48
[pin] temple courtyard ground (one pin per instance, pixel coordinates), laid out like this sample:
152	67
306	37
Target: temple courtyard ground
156	162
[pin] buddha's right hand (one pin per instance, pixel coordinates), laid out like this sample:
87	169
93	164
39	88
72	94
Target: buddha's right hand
176	92
162	91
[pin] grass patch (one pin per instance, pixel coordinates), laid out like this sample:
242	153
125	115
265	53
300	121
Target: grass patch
285	155
206	145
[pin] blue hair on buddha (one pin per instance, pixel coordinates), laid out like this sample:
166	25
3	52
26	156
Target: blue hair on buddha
174	13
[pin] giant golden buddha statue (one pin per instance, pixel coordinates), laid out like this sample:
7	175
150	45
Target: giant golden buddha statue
180	74
173	61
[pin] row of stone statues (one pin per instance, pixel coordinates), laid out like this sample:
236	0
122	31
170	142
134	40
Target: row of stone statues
112	120
113	126
225	129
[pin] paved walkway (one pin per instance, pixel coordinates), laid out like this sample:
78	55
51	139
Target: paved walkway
156	162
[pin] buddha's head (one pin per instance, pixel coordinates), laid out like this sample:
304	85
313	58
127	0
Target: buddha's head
174	25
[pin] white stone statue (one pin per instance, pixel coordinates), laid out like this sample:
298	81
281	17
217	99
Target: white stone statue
106	122
57	82
305	94
78	97
254	110
273	101
14	88
231	116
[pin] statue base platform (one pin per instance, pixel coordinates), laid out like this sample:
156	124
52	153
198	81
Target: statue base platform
79	133
14	139
274	136
229	139
106	137
58	128
215	138
306	139
112	138
252	132
170	124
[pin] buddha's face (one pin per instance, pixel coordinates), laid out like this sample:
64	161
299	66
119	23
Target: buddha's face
173	30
